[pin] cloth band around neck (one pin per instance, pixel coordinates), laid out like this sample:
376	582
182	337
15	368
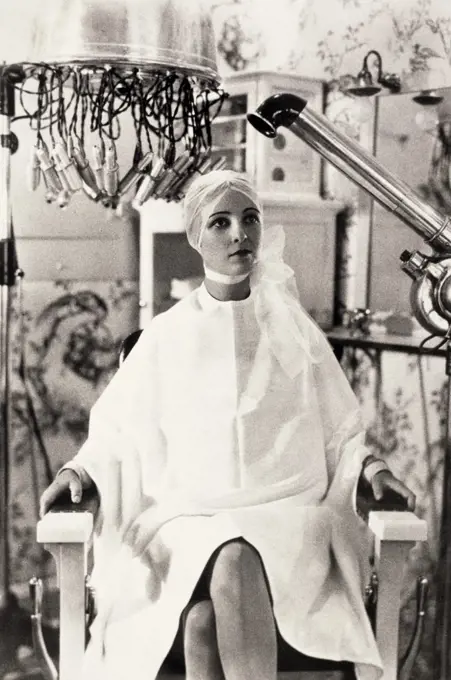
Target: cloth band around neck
224	278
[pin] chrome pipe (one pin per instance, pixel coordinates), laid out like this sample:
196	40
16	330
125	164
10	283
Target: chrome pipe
5	354
355	162
43	658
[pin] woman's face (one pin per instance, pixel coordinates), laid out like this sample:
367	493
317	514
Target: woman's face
232	233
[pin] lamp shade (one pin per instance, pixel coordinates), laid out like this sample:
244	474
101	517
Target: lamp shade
150	35
88	70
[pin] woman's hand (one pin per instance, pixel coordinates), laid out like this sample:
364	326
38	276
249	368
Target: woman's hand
140	530
64	481
386	480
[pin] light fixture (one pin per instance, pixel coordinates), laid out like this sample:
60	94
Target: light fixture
364	85
93	69
428	98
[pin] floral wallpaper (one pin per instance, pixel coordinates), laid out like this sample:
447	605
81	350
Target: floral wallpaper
329	38
403	399
65	341
66	334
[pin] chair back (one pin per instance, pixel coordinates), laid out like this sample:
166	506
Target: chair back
127	345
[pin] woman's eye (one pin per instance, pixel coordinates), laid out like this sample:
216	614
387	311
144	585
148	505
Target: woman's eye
220	222
252	219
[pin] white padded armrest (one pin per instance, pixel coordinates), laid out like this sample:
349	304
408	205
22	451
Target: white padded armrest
395	534
397	526
66	536
65	527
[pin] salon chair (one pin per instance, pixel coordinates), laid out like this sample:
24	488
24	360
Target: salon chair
66	531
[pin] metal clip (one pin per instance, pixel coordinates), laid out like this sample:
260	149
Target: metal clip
33	170
48	168
203	167
173	175
172	192
111	170
98	155
147	185
89	183
50	193
66	168
191	171
132	177
63	198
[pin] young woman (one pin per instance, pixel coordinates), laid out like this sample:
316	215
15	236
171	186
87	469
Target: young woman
226	451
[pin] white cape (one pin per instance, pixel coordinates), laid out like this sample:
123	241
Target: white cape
201	437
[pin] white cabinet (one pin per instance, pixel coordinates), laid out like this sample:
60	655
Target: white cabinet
284	164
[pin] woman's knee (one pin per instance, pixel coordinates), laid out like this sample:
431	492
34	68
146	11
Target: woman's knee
236	565
199	622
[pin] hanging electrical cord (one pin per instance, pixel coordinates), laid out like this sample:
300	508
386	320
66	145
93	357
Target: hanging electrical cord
72	108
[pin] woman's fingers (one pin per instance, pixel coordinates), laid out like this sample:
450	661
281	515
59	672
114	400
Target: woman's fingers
404	491
76	489
66	480
385	480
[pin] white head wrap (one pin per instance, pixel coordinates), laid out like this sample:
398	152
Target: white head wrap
289	330
204	193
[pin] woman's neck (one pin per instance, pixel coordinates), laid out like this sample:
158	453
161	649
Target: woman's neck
228	291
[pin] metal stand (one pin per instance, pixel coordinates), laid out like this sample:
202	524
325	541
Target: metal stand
442	632
6	282
14	623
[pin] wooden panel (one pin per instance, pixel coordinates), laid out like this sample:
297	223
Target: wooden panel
310	251
47	259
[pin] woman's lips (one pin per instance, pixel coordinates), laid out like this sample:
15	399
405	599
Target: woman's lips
243	252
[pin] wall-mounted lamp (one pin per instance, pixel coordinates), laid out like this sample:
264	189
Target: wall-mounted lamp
365	86
428	98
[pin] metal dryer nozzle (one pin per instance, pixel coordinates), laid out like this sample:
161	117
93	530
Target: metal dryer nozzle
280	109
353	160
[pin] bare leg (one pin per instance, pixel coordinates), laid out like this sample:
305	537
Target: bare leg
200	644
245	624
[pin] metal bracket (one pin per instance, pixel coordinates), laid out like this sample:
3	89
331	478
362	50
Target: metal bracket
408	660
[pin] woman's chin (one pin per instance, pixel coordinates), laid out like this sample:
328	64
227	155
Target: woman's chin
239	264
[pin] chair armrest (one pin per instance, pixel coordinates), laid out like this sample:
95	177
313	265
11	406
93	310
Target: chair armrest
389	518
66	531
396	530
90	502
68	522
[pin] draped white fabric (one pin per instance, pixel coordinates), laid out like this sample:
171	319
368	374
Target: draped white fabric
200	437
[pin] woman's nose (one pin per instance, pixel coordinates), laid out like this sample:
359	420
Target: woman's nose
238	231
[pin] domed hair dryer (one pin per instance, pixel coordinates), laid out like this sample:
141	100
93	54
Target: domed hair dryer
431	274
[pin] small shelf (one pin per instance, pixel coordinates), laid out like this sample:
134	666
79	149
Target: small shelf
386	342
231	147
230	119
